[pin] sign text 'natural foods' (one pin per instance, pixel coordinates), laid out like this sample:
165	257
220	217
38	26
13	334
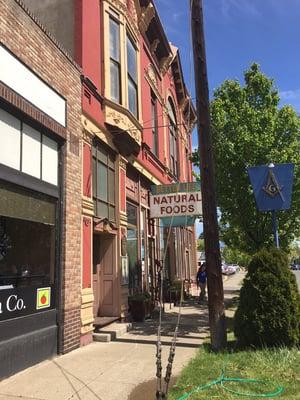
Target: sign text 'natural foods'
175	204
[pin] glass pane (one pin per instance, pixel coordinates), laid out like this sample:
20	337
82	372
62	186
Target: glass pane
94	177
132	97
102	210
131	214
10	128
31	151
101	182
131	60
111	161
49	160
114	40
19	203
115	81
112	213
132	252
111	186
102	154
29	256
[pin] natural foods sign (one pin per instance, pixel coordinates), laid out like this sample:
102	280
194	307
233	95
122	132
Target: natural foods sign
175	200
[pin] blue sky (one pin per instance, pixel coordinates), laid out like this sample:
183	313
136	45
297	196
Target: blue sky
237	33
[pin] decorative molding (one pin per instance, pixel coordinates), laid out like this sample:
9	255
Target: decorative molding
152	79
87	206
123	163
165	63
147	14
87	221
124	121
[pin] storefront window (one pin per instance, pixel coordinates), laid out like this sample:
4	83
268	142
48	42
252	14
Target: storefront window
27	238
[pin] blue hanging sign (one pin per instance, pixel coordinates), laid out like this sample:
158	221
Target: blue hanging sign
272	186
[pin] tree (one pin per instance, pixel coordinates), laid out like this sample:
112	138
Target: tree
268	313
200	245
234	256
249	128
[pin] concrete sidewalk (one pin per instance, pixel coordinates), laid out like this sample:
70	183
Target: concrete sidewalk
110	371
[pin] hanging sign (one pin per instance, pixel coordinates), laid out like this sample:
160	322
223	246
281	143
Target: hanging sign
176	200
272	186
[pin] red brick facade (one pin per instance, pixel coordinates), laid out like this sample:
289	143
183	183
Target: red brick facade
28	41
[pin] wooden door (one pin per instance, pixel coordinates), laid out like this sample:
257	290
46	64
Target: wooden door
96	274
105	279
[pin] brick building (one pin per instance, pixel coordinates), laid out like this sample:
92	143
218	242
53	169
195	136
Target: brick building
137	118
132	131
40	193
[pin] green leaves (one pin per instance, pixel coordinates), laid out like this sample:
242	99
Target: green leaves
250	129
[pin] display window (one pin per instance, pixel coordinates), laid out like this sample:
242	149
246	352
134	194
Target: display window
27	251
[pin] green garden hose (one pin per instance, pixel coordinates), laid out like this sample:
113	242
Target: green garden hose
222	380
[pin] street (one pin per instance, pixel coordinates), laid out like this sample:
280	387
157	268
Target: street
297	275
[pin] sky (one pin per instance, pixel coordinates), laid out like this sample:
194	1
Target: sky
238	33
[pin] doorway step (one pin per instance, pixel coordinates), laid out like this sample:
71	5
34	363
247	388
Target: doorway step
111	332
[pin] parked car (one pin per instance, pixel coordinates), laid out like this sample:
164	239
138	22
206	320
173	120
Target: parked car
230	270
295	267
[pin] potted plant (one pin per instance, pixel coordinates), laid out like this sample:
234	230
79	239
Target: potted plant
140	306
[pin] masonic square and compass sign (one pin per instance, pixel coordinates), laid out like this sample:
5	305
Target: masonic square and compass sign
272	186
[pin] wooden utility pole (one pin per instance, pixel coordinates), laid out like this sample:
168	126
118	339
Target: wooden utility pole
210	221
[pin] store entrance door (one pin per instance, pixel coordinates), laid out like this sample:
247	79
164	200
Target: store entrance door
105	278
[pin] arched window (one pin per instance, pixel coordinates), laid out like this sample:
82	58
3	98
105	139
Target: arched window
173	139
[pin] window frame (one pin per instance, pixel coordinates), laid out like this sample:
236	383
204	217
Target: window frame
154	127
173	139
113	61
131	79
110	166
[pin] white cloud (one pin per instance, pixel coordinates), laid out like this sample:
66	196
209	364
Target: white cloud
290	94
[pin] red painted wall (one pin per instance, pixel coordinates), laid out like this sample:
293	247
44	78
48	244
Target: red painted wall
166	86
86	252
87	170
88	50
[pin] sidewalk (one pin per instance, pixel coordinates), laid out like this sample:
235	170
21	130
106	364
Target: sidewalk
110	371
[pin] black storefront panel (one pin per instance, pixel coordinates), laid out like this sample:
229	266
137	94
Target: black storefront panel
28	254
26	341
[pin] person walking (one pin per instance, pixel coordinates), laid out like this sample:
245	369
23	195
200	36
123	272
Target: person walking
201	281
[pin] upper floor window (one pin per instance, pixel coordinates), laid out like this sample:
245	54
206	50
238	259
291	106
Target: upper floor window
173	139
104	183
154	125
114	54
28	150
132	76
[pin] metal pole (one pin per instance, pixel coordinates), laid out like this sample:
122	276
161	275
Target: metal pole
275	229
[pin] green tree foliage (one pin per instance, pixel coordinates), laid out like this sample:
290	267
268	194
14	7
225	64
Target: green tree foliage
268	313
200	245
235	256
249	128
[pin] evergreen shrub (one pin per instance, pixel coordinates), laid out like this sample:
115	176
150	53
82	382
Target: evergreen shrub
268	314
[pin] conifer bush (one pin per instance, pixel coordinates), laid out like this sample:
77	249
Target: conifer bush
268	314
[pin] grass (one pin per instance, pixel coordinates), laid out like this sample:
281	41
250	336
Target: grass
279	366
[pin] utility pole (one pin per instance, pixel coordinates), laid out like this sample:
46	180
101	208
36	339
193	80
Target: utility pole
210	222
